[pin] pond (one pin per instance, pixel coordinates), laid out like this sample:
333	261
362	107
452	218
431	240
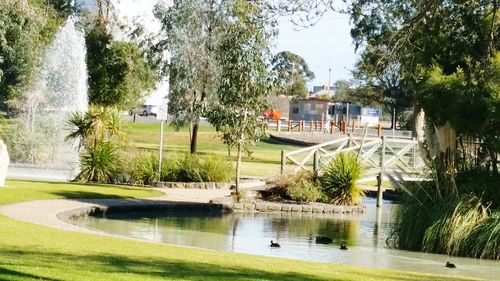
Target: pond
365	234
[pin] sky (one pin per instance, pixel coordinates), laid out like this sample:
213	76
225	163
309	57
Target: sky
326	45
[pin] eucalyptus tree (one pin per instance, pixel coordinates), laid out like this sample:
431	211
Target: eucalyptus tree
245	81
292	73
192	29
386	77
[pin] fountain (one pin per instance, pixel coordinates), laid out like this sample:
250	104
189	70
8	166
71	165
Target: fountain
60	89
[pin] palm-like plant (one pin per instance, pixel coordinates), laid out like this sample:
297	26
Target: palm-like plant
99	124
97	131
99	163
340	177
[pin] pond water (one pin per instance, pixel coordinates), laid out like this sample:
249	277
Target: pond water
365	234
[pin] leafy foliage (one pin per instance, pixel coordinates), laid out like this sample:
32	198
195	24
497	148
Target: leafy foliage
190	32
339	179
97	125
292	73
244	81
119	76
27	27
305	190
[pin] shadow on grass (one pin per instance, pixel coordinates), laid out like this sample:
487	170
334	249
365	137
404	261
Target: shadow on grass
8	274
153	268
119	267
84	195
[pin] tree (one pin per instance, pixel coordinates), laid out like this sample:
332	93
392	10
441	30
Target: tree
387	77
358	93
441	48
26	28
119	76
192	29
292	73
242	54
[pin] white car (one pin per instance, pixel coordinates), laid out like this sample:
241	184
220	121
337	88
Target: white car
145	110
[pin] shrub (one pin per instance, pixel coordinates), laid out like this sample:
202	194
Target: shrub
282	184
186	168
215	168
145	170
339	180
99	163
305	190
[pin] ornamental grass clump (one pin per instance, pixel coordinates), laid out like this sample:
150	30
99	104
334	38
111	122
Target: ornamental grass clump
339	180
184	168
99	163
463	224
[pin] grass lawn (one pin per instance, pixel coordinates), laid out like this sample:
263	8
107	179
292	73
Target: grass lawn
264	159
31	252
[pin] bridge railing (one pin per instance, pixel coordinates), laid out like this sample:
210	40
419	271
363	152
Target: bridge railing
376	154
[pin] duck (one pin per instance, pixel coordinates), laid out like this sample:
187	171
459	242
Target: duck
343	246
450	265
323	240
275	245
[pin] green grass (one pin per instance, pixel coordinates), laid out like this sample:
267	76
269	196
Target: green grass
32	252
16	191
264	160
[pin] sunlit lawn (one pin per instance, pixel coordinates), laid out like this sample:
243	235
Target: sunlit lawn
263	160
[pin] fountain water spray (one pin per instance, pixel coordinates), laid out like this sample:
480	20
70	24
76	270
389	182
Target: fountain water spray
60	89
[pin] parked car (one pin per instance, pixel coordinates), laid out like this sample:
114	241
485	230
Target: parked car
145	110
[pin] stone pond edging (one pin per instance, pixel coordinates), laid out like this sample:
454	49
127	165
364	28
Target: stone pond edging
195	185
274	207
214	206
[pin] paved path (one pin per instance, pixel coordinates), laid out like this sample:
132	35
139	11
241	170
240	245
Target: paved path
44	212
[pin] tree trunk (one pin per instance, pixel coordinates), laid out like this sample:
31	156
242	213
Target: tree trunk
238	168
194	136
394	117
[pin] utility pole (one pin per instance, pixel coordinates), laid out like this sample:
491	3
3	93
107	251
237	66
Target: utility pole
329	79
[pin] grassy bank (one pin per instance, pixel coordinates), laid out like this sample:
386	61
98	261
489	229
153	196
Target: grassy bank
264	159
29	252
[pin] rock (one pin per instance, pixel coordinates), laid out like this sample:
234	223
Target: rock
306	208
261	207
317	209
274	207
4	162
249	206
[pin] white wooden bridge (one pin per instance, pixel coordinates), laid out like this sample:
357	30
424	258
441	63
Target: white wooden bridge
378	155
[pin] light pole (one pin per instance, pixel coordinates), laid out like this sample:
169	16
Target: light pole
162	116
329	79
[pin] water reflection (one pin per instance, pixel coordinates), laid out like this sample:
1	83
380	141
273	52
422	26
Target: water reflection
364	234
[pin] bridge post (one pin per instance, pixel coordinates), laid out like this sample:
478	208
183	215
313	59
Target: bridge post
380	177
315	163
283	162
